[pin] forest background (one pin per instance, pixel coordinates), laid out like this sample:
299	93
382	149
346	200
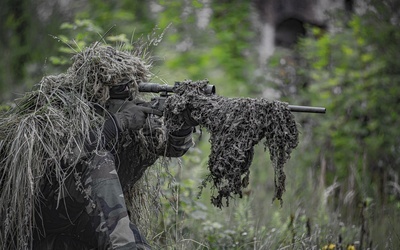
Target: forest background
343	184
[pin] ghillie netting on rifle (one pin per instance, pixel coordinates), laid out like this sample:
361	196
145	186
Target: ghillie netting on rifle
48	123
236	125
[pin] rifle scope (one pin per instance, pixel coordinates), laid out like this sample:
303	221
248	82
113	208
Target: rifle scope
157	88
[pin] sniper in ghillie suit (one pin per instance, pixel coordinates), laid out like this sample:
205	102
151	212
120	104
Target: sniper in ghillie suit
56	140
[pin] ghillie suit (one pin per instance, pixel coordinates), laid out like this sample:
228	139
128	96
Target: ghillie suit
42	138
236	125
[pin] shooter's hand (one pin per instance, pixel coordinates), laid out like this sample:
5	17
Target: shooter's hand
132	116
189	121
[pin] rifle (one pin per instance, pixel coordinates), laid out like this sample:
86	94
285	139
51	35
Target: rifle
165	91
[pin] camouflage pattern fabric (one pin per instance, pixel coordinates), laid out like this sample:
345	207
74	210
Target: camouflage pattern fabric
92	215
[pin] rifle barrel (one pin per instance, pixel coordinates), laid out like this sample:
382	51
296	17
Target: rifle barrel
307	109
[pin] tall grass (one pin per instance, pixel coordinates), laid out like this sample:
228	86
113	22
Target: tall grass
306	219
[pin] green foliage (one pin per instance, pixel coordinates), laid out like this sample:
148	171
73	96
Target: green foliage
352	152
80	34
75	38
4	108
126	17
353	73
217	47
25	44
345	157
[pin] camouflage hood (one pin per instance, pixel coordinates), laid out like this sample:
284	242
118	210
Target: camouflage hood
44	126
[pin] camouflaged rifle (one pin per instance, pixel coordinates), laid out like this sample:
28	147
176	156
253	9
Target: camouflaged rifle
165	90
